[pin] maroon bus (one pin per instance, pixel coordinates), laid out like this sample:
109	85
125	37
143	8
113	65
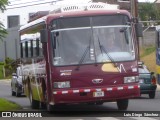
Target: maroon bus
86	55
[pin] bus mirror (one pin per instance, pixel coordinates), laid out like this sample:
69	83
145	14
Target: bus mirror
139	29
43	35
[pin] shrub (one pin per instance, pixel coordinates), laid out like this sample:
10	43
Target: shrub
9	66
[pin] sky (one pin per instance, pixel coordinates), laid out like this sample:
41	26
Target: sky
18	3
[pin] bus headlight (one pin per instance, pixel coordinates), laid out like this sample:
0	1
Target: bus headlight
131	79
65	84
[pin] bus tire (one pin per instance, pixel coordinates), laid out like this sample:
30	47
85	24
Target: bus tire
43	105
50	108
34	103
122	104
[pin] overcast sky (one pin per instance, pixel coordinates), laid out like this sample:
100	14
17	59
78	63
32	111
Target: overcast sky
20	3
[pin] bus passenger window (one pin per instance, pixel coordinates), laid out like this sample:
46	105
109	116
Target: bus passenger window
34	48
40	49
29	48
26	49
23	49
37	47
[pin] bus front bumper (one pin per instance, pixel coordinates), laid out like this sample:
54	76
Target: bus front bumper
95	94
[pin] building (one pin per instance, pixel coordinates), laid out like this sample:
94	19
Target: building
16	15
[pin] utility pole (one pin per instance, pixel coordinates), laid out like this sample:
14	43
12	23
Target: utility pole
134	12
134	8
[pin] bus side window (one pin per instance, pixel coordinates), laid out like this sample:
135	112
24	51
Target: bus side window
29	48
37	47
40	49
26	49
34	48
21	50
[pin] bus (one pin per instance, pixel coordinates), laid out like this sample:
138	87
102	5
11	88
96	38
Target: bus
81	54
157	41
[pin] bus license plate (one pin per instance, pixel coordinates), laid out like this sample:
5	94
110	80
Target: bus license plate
98	94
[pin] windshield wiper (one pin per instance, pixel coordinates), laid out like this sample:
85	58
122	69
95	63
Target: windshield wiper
82	58
106	52
84	54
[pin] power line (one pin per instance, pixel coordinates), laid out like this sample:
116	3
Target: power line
14	0
34	4
24	3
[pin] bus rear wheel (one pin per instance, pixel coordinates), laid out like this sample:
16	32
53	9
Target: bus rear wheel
34	103
122	104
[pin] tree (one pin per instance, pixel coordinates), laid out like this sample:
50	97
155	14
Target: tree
3	31
148	11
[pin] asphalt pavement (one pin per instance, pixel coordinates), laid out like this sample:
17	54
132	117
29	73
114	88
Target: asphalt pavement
139	104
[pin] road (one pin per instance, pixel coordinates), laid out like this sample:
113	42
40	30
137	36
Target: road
86	112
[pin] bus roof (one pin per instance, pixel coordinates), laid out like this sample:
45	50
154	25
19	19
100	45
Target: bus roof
47	19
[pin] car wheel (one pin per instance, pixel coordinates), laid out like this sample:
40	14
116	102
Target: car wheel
152	95
17	94
13	93
122	104
34	103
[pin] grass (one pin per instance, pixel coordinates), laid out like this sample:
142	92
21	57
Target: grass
147	51
148	56
7	105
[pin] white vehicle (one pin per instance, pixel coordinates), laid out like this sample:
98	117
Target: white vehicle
16	83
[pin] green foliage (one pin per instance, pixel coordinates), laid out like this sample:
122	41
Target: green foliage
148	11
10	66
1	71
3	4
8	62
3	31
1	63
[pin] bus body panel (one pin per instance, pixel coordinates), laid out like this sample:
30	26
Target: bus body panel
89	79
111	93
157	41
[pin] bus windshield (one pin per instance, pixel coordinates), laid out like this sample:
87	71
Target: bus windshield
92	44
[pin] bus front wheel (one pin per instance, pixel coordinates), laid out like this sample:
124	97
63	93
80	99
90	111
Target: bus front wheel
122	104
